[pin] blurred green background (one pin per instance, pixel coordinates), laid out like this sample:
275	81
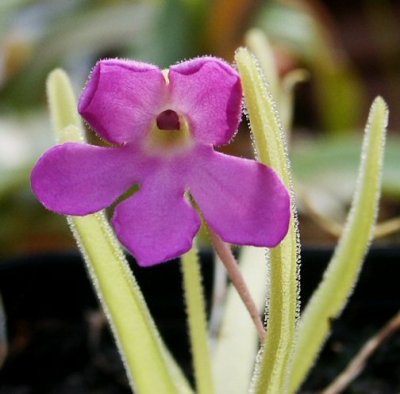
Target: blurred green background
351	51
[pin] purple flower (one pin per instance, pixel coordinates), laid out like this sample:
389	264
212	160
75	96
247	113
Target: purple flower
162	130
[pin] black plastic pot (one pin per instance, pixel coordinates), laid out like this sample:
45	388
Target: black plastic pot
375	300
59	343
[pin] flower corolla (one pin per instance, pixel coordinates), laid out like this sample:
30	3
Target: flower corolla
162	128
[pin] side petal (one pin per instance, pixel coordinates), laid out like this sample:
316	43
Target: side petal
209	93
122	98
78	179
242	200
156	224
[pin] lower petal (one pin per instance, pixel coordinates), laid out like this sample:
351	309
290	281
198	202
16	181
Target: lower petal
242	200
156	224
78	179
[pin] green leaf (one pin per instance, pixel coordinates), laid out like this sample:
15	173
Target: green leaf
329	163
139	343
273	365
281	90
197	322
62	102
338	88
341	275
149	366
260	46
78	31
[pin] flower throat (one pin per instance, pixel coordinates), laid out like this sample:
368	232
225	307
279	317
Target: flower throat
168	120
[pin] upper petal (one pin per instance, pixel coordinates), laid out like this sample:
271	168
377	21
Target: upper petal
122	98
242	200
78	179
209	93
156	224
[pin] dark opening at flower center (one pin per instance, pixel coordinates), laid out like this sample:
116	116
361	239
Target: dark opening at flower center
168	120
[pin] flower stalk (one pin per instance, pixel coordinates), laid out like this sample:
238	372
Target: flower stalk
225	254
237	342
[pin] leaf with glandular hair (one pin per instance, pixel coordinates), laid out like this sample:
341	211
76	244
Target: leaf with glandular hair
273	363
339	279
149	366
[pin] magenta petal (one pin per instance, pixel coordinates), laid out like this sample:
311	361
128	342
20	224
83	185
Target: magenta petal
122	98
156	224
78	179
242	200
208	92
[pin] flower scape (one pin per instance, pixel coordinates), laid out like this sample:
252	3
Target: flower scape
162	127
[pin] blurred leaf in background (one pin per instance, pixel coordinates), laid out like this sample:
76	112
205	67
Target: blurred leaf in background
307	31
25	225
68	33
321	36
40	35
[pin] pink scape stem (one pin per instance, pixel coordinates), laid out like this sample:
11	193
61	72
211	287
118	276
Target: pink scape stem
225	254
